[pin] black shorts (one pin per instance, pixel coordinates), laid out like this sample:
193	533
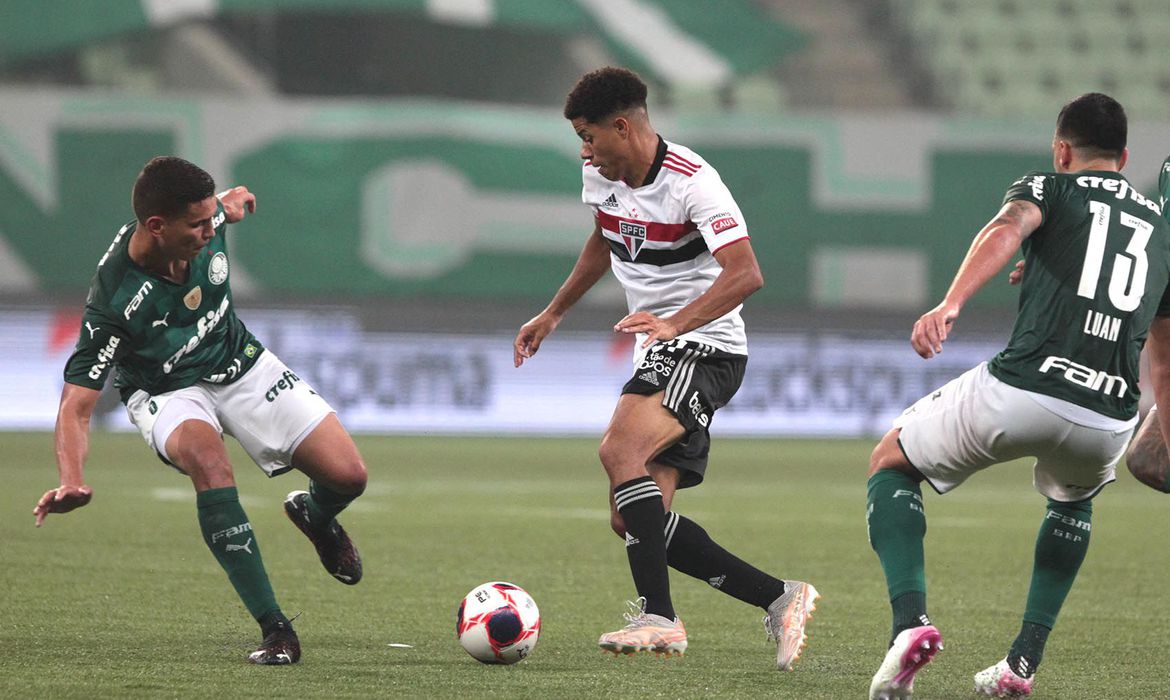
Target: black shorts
694	380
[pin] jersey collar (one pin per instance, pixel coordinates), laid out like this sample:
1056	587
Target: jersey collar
659	156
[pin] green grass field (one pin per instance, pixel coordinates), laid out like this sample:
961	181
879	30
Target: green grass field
122	598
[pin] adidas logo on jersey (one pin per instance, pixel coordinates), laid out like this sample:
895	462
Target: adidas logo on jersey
649	378
610	202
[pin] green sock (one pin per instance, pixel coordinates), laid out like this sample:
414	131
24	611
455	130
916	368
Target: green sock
229	535
324	505
897	526
1060	549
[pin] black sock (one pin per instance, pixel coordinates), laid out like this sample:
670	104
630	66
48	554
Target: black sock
1028	649
272	622
639	501
692	551
909	611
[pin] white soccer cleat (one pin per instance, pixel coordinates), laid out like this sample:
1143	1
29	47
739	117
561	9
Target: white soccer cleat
912	649
646	632
1000	681
785	621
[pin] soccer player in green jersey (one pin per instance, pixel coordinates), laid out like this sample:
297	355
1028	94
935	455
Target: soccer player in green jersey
1147	457
160	313
1064	391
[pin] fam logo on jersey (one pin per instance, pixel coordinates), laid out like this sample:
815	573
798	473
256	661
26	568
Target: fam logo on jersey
633	235
217	269
137	300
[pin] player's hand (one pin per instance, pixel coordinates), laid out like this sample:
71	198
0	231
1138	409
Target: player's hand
930	331
1017	275
656	329
61	500
237	202
531	335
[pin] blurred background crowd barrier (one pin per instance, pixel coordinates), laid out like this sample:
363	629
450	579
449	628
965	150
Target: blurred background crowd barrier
419	191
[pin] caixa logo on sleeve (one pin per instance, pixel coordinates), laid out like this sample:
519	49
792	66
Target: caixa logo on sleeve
634	235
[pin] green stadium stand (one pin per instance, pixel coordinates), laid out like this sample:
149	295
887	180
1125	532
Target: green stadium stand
1021	57
696	49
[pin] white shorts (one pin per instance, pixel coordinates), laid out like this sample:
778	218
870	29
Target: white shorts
975	421
270	410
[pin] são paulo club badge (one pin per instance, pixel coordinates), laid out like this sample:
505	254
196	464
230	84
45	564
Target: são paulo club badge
633	235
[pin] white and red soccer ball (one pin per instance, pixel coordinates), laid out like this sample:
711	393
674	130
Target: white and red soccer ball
498	623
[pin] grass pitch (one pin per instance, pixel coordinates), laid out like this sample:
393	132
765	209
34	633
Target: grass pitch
122	598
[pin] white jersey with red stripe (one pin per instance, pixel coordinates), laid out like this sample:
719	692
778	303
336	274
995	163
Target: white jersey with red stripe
662	234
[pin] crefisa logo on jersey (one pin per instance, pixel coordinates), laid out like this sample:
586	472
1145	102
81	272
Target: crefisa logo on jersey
217	269
633	235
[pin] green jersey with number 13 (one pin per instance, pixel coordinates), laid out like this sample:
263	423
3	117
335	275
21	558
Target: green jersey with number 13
1096	273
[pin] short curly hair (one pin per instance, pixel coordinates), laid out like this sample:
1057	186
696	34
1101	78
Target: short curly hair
603	92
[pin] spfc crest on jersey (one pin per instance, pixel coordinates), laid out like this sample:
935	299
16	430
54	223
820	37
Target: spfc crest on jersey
193	298
633	235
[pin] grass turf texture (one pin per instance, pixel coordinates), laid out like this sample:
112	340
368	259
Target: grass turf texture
122	598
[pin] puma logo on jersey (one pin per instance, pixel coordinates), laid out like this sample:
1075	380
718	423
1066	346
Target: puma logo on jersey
91	329
161	322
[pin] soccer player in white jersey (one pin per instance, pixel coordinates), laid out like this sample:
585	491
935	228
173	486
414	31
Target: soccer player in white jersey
667	226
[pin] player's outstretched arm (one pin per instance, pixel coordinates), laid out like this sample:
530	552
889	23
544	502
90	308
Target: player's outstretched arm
993	247
237	202
592	264
1147	457
739	279
71	441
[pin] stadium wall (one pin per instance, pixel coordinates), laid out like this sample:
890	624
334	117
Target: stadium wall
407	200
828	383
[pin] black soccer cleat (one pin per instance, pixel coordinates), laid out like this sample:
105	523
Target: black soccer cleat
338	555
280	647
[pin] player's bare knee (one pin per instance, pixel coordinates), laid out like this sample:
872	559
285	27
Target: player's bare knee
206	470
349	478
610	455
356	478
888	455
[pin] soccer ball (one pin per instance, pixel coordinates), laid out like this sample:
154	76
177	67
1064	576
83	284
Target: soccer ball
498	623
